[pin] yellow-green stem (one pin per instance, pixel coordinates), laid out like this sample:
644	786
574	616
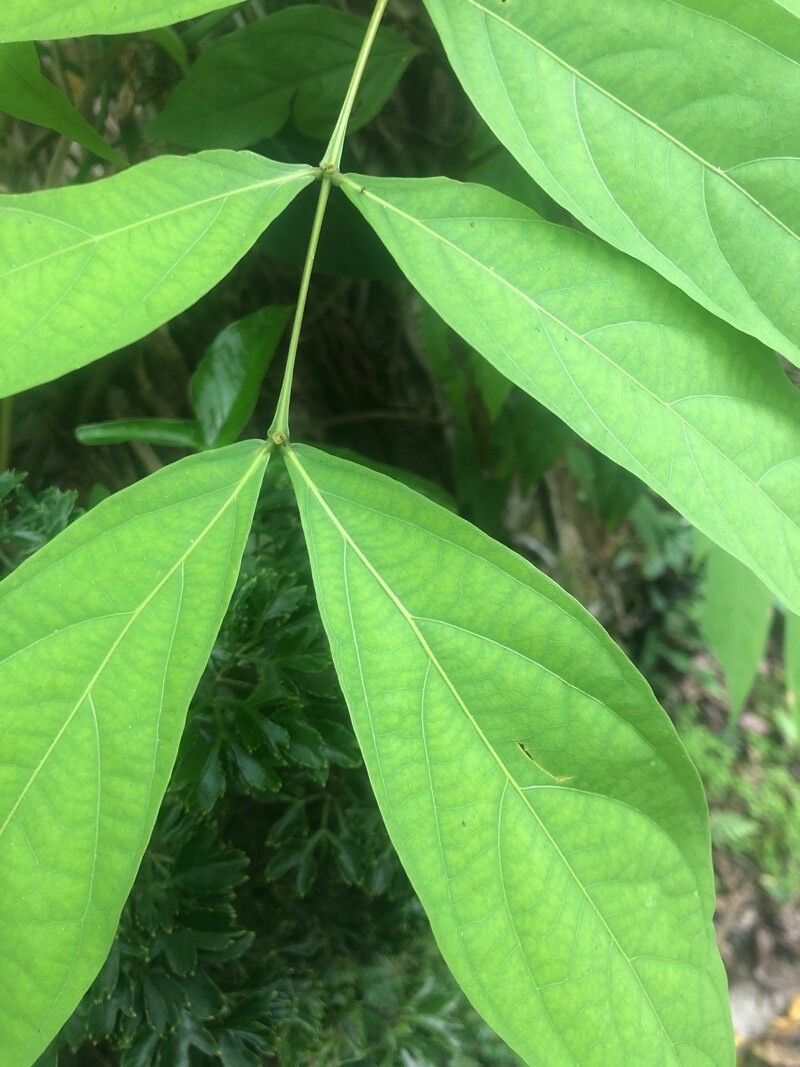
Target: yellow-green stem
279	430
329	169
333	154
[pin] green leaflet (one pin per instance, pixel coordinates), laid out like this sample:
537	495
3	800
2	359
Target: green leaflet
671	130
105	634
539	797
28	20
87	269
736	615
225	387
295	62
697	411
223	390
26	94
168	433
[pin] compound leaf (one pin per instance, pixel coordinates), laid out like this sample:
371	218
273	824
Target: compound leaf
671	130
26	94
29	20
295	62
540	799
699	412
105	634
87	269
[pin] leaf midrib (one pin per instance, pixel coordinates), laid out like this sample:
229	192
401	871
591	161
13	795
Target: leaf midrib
681	145
97	239
411	621
134	615
621	721
684	423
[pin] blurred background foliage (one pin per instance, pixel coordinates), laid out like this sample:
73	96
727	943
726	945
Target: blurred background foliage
270	922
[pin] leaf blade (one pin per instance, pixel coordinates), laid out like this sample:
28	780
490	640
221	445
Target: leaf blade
625	120
168	433
88	269
28	20
225	386
26	94
421	610
112	625
700	413
295	62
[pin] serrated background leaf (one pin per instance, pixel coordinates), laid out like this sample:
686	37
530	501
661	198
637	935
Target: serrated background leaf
539	798
701	413
28	20
671	130
105	634
297	62
87	269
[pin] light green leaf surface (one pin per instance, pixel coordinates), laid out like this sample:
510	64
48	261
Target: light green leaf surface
26	94
698	411
29	20
87	269
539	797
105	634
226	384
295	62
670	129
735	619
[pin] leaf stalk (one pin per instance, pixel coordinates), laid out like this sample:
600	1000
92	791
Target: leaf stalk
329	174
279	430
333	153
